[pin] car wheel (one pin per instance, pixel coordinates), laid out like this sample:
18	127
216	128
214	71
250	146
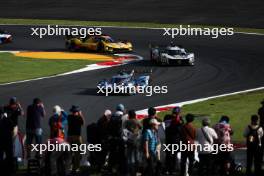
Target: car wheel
151	57
162	62
70	46
100	47
191	63
158	61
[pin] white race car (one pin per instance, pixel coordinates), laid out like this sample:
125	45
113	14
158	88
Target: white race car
5	37
171	55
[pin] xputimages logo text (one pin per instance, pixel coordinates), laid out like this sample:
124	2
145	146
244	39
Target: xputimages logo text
213	32
56	30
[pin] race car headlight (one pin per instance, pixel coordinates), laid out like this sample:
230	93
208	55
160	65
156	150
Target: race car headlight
191	59
109	48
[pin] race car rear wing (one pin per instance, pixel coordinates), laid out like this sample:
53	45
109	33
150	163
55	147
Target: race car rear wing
132	72
163	47
157	46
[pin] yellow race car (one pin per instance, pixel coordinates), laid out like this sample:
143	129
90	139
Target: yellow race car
102	43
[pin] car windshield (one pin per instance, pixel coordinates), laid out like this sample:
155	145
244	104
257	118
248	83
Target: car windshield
117	80
174	52
108	39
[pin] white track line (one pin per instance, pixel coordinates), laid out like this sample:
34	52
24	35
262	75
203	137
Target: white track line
145	111
6	51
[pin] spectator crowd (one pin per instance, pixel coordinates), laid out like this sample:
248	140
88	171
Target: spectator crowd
129	146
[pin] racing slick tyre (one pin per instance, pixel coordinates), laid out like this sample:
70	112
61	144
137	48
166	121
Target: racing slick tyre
151	56
100	47
70	46
191	63
163	63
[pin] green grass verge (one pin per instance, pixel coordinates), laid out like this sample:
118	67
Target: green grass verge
121	24
13	68
238	107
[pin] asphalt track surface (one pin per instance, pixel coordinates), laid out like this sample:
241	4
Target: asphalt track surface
242	13
223	65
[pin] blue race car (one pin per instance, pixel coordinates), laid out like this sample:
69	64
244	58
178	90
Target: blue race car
5	37
123	83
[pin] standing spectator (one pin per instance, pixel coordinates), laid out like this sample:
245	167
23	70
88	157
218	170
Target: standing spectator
94	157
103	125
57	162
205	137
133	124
175	115
151	148
224	132
116	145
261	123
103	135
173	134
75	123
120	108
253	134
133	127
35	113
188	136
6	143
151	115
261	113
58	122
14	110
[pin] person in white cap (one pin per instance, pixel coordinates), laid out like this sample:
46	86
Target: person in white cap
151	149
121	111
58	123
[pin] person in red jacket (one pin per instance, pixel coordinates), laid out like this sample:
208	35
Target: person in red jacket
224	132
188	137
58	122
